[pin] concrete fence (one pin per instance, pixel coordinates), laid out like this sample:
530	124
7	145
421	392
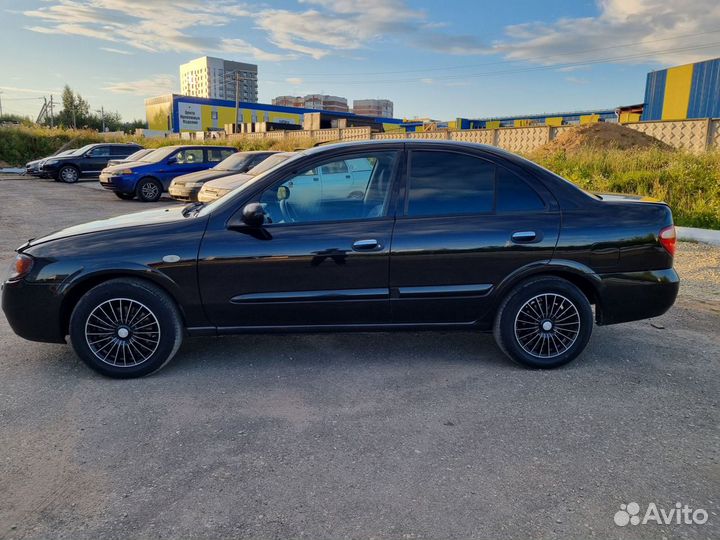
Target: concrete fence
693	135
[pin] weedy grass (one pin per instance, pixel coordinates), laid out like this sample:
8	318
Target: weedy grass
688	182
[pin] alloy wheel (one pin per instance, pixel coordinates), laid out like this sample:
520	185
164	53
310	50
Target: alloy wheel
149	190
69	175
122	332
547	325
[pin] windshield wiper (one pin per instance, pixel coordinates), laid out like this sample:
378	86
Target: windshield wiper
192	207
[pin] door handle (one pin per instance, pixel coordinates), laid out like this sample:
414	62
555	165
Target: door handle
366	245
524	236
348	176
316	179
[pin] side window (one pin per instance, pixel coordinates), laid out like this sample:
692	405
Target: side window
100	151
446	183
192	155
336	167
306	198
515	195
122	151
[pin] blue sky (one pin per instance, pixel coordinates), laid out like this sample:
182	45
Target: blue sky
440	59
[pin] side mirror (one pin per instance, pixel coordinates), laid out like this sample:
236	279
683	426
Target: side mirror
171	160
253	215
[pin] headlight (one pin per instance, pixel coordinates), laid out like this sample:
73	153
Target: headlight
50	162
191	184
20	267
122	172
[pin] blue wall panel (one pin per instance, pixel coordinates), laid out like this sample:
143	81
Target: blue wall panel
654	95
705	92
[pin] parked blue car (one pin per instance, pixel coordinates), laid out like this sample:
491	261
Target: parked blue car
148	178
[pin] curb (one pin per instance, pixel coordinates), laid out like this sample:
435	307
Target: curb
706	236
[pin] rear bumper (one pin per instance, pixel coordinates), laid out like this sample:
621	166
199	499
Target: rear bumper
33	311
630	296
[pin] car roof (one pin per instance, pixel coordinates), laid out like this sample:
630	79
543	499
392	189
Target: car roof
196	146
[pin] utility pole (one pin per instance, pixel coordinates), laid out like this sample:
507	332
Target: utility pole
237	102
51	112
73	117
0	103
102	117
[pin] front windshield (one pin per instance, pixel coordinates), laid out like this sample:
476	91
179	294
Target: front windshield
270	162
81	150
158	155
256	177
234	162
137	155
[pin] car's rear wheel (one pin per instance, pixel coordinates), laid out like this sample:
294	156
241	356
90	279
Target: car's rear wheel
126	328
148	190
124	196
544	322
69	174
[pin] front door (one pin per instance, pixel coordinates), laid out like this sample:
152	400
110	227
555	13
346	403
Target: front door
314	262
185	161
95	161
468	223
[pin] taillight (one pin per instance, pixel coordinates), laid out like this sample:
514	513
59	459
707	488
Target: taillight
668	239
20	267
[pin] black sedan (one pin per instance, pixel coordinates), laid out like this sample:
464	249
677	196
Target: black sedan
446	236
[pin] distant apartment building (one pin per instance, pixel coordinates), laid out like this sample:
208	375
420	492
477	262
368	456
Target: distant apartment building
314	101
373	107
215	78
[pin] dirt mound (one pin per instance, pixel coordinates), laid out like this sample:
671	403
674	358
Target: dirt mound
600	136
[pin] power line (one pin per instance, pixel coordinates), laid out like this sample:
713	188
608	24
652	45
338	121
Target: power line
531	59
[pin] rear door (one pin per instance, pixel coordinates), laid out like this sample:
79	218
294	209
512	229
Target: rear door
468	222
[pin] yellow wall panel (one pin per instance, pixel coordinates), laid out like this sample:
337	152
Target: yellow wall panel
677	92
492	124
554	121
589	118
523	123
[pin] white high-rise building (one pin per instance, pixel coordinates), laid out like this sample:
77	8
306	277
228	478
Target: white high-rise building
215	78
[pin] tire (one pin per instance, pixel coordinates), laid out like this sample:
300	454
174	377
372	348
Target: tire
124	196
148	190
544	322
126	328
68	174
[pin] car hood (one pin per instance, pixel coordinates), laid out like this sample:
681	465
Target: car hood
149	217
128	165
230	182
202	176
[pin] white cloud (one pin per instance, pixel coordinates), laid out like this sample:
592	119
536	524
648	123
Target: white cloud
115	51
295	81
630	31
160	84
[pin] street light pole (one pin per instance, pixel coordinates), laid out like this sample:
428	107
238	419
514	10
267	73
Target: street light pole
237	102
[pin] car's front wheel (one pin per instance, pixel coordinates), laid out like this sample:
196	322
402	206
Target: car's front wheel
544	322
124	196
126	328
69	174
148	190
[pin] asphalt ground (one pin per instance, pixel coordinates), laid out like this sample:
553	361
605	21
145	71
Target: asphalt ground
373	435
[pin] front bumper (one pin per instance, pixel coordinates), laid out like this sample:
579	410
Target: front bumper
631	296
184	193
33	311
123	184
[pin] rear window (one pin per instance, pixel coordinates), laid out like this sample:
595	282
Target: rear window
446	183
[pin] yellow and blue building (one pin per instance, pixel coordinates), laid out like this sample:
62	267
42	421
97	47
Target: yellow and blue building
683	92
178	113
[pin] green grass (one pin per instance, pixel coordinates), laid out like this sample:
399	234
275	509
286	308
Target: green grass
689	183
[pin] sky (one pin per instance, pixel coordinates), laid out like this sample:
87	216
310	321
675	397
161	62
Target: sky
439	59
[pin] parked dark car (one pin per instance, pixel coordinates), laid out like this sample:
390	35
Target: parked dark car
87	161
187	186
135	156
32	168
446	236
147	178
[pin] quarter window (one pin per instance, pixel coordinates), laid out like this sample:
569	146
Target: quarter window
515	195
100	151
446	183
314	196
